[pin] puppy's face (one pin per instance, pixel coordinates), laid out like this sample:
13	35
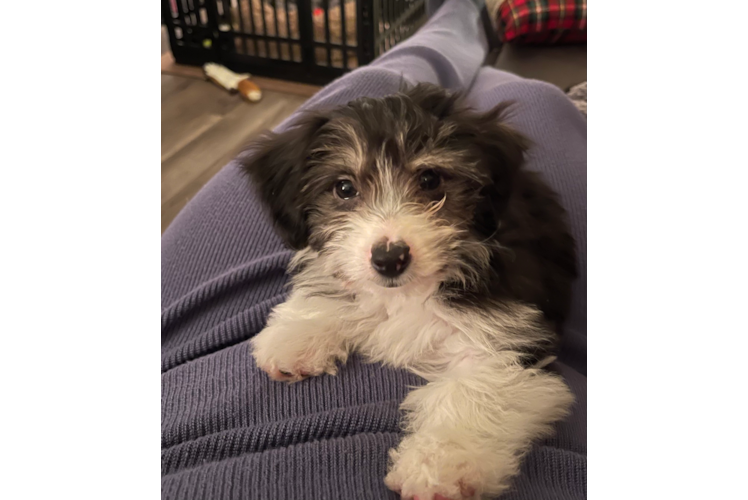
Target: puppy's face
394	192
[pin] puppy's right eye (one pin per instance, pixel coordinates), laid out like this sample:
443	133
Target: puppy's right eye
345	190
429	180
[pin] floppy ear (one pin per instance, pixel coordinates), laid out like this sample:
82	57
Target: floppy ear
277	164
501	150
502	147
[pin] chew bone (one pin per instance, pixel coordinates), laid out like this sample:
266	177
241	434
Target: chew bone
233	82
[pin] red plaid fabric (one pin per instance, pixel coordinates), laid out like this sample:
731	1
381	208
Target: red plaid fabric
543	21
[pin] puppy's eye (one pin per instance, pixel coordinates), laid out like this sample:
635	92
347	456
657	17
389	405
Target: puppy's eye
429	180
345	190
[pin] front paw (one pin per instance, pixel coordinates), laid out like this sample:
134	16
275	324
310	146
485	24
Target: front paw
429	468
289	357
279	375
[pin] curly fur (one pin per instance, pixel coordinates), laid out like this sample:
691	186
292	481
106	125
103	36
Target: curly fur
477	310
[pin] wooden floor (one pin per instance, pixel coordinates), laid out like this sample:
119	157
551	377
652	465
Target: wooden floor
202	128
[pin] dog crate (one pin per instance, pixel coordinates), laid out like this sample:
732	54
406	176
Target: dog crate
311	41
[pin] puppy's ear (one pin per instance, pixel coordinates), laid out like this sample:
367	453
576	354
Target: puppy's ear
277	164
501	150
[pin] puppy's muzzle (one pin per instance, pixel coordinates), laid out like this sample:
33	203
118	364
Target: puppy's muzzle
390	259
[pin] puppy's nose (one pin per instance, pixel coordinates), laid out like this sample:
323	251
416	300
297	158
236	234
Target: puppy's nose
390	258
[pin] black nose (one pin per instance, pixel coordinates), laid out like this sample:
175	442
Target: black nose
390	258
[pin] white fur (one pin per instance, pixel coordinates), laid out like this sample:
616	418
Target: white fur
469	426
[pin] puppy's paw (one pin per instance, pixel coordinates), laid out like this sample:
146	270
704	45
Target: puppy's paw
289	358
279	375
425	469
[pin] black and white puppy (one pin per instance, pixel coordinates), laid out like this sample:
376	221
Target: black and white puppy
423	244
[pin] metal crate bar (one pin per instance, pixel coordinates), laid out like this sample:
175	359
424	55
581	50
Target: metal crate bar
241	25
275	17
328	50
255	45
343	34
264	28
288	24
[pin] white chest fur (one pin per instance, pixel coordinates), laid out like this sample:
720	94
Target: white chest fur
407	327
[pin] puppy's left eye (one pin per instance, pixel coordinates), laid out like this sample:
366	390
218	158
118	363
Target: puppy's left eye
429	180
345	190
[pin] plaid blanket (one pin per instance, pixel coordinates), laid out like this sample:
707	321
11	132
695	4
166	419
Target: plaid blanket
542	21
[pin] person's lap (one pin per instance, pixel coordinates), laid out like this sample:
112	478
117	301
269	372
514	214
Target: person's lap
230	432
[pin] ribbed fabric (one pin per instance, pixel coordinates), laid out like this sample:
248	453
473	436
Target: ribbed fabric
228	432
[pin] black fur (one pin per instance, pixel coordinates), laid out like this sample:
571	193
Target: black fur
537	264
277	165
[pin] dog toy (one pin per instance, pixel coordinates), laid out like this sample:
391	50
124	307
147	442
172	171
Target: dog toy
233	82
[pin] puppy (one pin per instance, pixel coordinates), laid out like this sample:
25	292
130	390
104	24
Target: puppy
422	244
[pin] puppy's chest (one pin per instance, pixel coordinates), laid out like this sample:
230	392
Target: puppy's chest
405	328
397	308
